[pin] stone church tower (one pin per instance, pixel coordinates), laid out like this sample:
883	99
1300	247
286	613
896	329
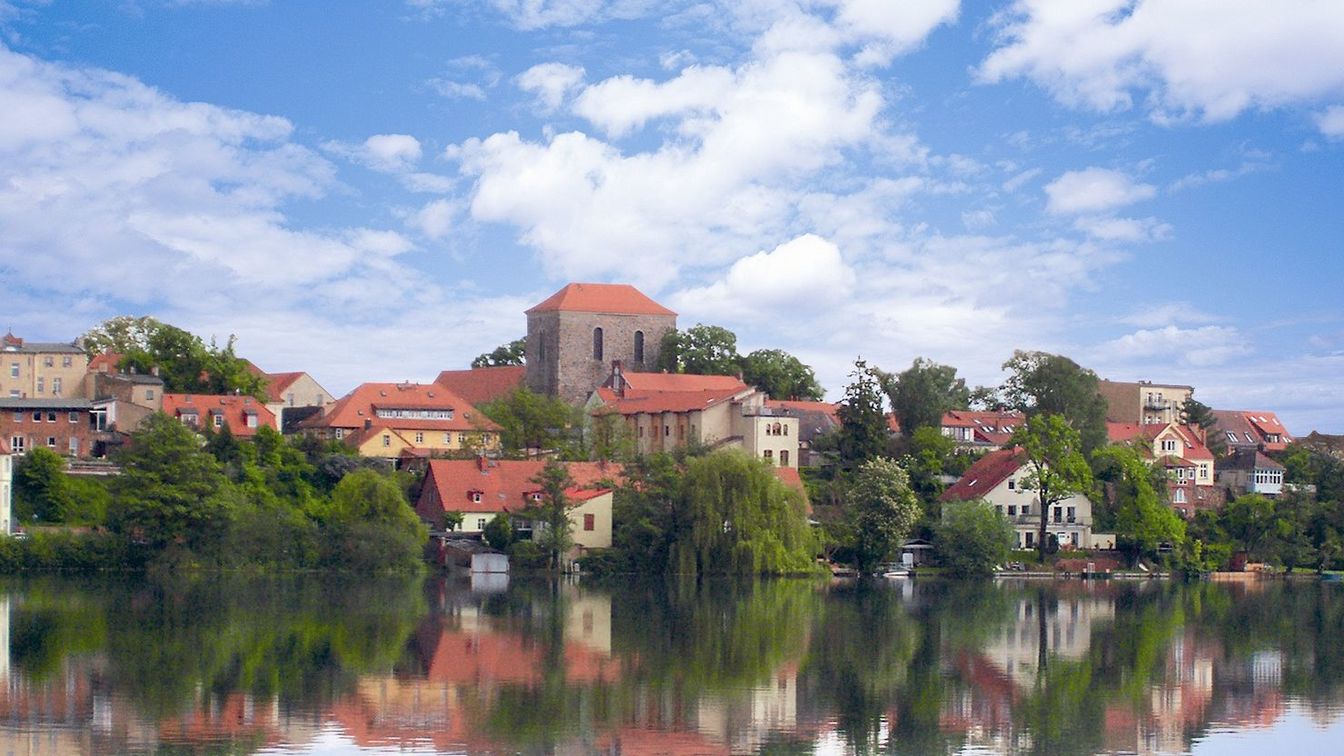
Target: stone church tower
575	335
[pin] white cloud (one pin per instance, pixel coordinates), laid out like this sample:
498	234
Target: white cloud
466	78
1015	182
1131	230
1331	122
1206	58
389	153
437	218
1204	346
550	83
976	220
622	104
1171	313
806	269
1093	190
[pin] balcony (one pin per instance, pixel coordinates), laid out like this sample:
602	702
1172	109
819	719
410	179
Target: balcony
1157	403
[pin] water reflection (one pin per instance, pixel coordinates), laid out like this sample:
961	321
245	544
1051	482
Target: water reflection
241	665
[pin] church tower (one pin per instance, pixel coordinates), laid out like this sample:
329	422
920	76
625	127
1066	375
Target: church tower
575	335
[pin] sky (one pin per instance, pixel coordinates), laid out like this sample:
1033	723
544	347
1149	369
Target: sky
378	190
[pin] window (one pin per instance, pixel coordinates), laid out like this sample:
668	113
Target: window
1026	510
784	457
1231	437
475	497
16	444
786	430
74	417
13	393
13	370
387	440
67	361
1031	540
1059	514
1072	513
769	455
74	447
41	384
56	386
51	416
1168	444
589	522
998	508
639	346
218	420
1012	510
251	421
340	433
447	439
51	442
667	430
48	361
1179	496
1012	484
597	343
289	398
641	431
419	437
149	395
480	523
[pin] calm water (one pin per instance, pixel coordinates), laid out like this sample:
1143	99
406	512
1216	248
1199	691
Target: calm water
313	665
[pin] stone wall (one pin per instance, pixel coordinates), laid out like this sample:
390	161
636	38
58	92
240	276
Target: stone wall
560	359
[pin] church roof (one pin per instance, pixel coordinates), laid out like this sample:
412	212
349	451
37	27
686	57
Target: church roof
622	299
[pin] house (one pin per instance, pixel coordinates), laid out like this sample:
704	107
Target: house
40	370
815	419
126	399
1245	429
665	411
481	385
74	427
242	415
1180	450
1250	471
1144	402
425	416
482	488
6	488
996	478
991	429
575	333
292	396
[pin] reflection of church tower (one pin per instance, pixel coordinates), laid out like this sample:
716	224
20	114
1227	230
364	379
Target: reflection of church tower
576	333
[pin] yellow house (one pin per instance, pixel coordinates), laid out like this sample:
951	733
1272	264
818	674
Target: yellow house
33	370
425	417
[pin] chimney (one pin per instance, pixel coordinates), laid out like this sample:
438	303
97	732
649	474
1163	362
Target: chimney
154	371
368	424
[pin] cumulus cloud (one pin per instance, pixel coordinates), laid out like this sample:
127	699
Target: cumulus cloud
1170	313
1331	122
1179	58
1131	230
550	83
389	153
1094	190
1204	346
806	269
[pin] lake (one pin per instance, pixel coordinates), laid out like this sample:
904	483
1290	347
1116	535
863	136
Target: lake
227	664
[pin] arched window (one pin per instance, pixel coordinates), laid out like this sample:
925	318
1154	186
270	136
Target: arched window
639	346
597	343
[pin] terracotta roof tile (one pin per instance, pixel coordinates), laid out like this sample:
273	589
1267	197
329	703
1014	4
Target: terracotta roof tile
986	473
481	385
652	402
358	406
233	409
595	297
503	484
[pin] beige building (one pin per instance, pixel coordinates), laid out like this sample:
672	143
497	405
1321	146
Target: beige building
663	411
1144	402
997	477
428	417
34	370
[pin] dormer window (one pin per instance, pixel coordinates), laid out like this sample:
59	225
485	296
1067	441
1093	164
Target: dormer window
534	496
475	496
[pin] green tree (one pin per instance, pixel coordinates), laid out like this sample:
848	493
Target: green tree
41	488
781	375
931	455
452	520
1056	467
882	510
187	365
499	532
1143	520
732	515
1199	414
699	350
121	335
370	525
1041	383
529	420
609	437
973	538
1250	521
922	393
555	536
168	491
863	425
512	353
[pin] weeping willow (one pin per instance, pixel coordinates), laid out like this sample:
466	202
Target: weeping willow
738	518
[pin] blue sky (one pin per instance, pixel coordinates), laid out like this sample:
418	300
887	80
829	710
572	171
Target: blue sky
377	190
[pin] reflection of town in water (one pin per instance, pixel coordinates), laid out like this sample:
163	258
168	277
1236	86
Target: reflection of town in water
922	666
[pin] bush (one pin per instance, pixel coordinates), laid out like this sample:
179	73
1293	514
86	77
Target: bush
602	562
528	555
973	538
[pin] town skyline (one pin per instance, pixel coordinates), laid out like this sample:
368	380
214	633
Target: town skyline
382	195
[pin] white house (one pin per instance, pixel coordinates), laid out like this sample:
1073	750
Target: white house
997	477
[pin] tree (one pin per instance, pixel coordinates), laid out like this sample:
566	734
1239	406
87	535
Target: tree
608	436
863	425
732	515
1142	517
499	532
452	520
512	353
369	524
188	366
120	335
168	490
555	534
1042	383
930	455
699	350
1250	521
1199	414
529	420
781	375
973	538
41	489
882	509
922	393
1056	467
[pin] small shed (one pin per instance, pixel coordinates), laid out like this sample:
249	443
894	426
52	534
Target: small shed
473	556
916	552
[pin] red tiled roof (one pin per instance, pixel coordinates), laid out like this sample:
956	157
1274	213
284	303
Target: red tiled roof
481	385
276	383
234	410
594	297
986	473
104	363
503	484
358	406
1119	433
651	402
828	408
682	382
